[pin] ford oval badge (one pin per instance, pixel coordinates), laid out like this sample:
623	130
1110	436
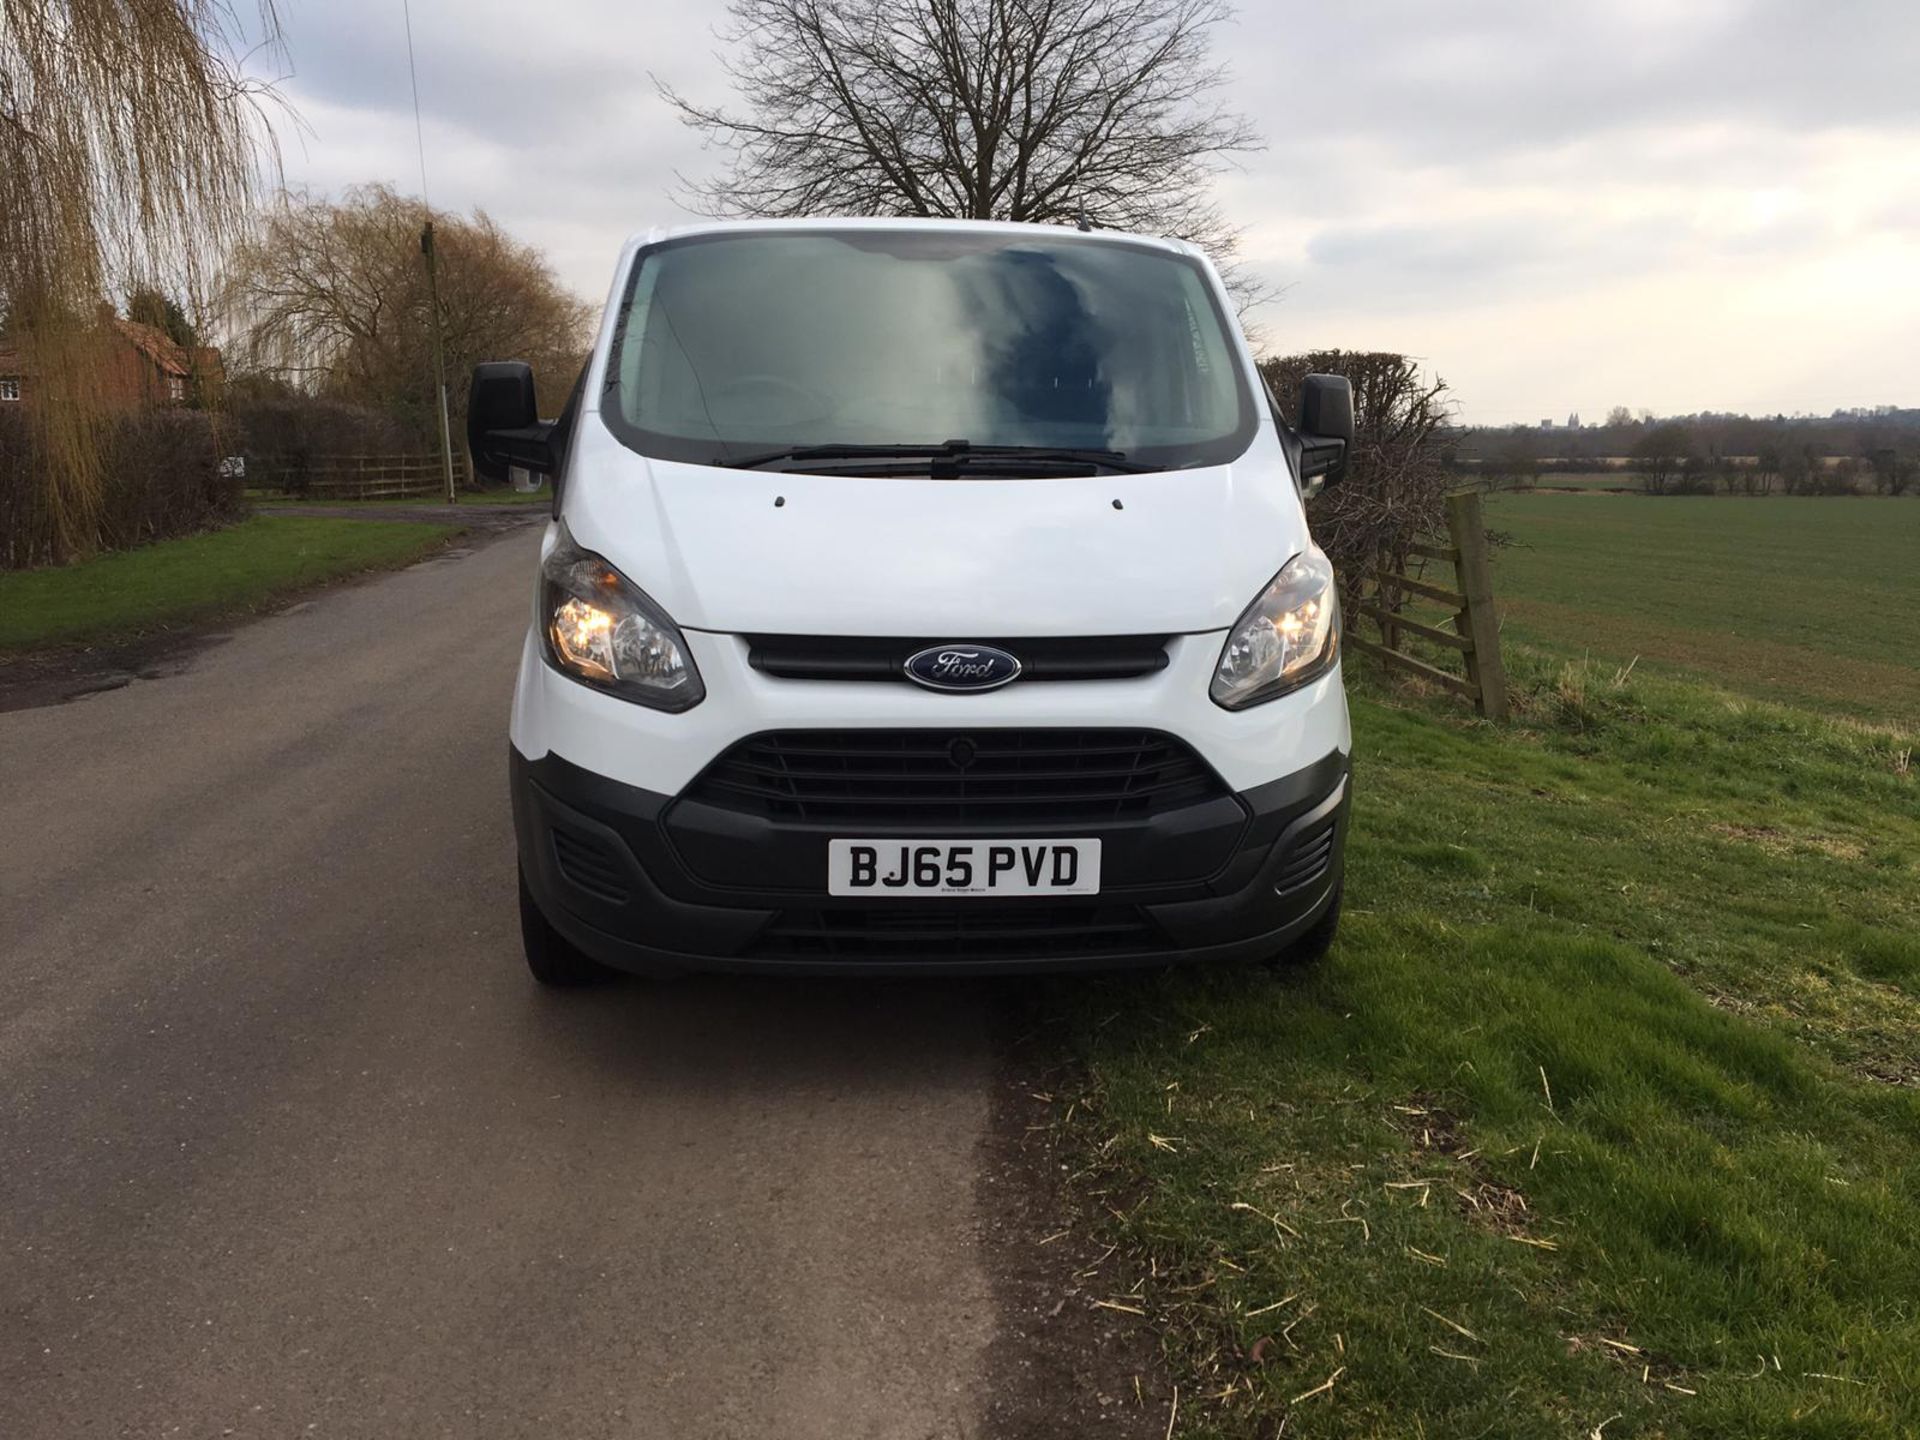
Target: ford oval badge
962	667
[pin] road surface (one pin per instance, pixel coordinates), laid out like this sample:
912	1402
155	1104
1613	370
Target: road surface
290	1145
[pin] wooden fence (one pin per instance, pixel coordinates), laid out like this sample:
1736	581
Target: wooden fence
356	477
1476	626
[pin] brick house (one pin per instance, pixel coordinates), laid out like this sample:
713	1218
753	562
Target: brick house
141	366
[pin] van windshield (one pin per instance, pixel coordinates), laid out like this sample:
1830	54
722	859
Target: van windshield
743	345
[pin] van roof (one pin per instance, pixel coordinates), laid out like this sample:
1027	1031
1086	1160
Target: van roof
986	227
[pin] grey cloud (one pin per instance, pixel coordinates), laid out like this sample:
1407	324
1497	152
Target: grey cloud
1347	95
1485	255
1424	253
507	84
1505	117
1522	257
1453	84
553	127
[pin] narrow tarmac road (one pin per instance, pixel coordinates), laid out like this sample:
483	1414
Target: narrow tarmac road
290	1145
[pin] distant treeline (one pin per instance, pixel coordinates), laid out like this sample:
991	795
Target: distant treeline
1847	452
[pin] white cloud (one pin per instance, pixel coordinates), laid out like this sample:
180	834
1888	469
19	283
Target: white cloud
1562	207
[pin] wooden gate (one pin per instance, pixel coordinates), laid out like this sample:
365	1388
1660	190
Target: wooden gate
1476	627
357	477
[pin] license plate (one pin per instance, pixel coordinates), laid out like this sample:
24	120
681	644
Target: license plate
963	867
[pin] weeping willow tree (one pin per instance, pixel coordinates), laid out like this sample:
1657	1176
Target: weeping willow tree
132	143
330	294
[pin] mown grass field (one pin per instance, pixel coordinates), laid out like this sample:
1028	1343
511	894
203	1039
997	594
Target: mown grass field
177	581
1604	1114
1800	599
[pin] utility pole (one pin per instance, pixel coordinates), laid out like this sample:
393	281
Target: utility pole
439	359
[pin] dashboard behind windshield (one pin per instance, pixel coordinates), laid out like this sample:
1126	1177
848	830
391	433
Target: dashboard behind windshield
735	343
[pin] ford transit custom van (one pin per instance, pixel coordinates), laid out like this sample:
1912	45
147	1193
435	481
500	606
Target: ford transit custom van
922	596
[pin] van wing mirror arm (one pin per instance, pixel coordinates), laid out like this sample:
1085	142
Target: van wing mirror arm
528	446
1322	458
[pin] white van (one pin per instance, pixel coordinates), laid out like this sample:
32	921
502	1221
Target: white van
923	596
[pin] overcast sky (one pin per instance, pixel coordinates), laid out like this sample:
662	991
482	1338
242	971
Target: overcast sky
1564	206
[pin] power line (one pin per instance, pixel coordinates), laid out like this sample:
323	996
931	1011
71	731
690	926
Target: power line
426	249
419	133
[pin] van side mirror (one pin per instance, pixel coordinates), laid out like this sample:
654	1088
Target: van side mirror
1326	430
503	422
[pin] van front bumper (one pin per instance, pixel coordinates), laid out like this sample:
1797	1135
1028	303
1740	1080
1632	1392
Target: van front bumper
654	884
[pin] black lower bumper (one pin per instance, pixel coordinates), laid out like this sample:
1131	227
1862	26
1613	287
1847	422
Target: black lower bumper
632	881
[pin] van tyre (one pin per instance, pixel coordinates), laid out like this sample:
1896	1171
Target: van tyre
1311	948
554	960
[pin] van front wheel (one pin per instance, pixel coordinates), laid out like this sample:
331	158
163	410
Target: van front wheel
553	959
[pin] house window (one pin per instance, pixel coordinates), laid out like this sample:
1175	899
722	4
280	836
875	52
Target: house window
176	389
10	388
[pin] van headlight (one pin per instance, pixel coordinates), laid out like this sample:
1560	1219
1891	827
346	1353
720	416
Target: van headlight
1288	636
603	630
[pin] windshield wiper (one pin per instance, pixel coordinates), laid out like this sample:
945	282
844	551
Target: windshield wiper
947	460
829	452
1058	455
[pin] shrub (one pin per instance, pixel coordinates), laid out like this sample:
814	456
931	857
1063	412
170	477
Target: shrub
1842	477
282	433
161	476
19	506
1398	476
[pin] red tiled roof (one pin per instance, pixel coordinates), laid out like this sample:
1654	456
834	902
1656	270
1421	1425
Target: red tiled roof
157	347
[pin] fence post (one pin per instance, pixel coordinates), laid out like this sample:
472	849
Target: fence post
1477	620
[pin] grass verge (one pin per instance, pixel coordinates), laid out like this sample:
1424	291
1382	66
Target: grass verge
542	496
173	581
533	498
1601	1118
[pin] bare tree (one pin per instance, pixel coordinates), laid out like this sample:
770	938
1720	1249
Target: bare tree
332	296
1661	456
1397	479
1036	110
1894	469
1799	469
129	144
1840	476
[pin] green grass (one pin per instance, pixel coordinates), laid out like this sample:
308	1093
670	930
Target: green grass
173	581
542	496
1618	1047
1810	600
1588	480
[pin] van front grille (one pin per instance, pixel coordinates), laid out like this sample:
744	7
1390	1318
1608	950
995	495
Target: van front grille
921	778
863	657
970	929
